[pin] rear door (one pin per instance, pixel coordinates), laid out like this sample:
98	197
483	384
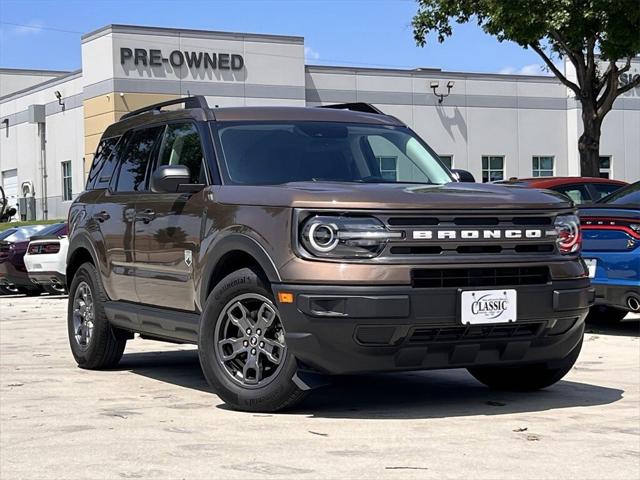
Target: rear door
115	212
168	226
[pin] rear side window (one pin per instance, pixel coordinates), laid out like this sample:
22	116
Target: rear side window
181	146
132	176
103	153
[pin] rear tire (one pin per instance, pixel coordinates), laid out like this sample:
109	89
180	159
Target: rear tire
30	291
228	353
95	344
605	314
527	377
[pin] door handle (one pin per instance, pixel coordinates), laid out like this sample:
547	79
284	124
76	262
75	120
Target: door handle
146	215
101	216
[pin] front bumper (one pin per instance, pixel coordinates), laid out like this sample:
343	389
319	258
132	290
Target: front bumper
354	329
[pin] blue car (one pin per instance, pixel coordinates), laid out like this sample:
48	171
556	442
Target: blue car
611	250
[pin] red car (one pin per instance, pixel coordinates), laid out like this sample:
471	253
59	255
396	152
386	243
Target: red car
581	190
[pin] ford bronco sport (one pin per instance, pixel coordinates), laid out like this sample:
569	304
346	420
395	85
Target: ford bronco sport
291	244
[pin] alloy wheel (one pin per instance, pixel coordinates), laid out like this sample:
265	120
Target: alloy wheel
83	315
249	340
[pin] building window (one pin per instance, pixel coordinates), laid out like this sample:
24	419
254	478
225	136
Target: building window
543	166
67	190
388	168
447	160
604	166
492	168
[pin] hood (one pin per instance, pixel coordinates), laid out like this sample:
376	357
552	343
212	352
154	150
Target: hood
350	196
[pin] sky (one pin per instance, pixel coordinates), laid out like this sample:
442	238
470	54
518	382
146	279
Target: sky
45	34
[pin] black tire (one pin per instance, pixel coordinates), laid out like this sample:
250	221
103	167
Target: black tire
527	377
106	344
280	392
605	314
8	290
30	291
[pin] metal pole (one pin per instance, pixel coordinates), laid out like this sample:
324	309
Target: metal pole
43	167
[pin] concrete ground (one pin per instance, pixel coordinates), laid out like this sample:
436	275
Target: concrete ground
154	417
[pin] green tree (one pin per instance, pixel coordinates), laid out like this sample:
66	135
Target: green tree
599	38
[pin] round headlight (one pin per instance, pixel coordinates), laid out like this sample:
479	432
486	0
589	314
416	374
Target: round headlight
323	237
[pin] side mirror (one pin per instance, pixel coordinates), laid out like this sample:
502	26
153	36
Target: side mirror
463	175
173	179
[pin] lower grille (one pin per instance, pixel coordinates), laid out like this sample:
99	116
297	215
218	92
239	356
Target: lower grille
479	277
475	332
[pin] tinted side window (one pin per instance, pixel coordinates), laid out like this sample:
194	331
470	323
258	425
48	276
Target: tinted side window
133	165
577	193
181	146
103	152
603	189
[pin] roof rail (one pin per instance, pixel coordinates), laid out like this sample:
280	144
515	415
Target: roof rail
355	107
197	101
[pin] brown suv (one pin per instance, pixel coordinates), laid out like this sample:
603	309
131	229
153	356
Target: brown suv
291	244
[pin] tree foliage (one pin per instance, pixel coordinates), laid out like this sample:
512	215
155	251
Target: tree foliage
599	37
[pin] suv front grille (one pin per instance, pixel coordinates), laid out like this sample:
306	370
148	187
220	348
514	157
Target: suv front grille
443	236
475	332
478	277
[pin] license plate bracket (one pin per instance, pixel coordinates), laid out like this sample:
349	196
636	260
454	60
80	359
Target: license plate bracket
486	307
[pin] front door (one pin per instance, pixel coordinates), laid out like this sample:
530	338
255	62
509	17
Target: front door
168	226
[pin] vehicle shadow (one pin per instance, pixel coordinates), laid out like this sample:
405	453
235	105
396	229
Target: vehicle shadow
431	394
627	328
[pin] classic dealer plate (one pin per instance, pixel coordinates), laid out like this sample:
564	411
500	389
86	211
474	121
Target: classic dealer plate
479	307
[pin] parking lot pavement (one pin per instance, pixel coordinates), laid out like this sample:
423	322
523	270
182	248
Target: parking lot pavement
154	417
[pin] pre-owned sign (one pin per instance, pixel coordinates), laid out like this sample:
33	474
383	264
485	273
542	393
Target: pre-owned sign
178	58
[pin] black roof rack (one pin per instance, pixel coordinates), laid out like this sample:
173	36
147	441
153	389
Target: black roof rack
355	107
197	101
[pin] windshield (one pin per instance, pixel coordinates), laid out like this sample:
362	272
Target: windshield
276	153
628	196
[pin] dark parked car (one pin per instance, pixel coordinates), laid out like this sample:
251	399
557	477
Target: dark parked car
611	248
13	272
582	190
291	244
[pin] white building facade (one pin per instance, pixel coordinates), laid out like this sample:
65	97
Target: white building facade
495	126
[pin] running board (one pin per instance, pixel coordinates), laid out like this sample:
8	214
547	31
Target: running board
173	325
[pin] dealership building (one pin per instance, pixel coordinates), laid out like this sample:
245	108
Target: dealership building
496	126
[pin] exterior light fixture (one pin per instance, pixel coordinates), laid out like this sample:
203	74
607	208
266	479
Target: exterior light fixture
59	97
441	96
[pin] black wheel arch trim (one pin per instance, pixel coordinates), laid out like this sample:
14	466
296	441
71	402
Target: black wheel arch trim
78	241
227	244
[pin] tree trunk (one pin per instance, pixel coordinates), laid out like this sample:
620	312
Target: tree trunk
589	143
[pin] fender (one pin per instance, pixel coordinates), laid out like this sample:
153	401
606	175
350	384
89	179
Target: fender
82	239
229	243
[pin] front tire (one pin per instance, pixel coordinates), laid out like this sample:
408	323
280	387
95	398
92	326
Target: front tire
527	377
95	344
242	349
